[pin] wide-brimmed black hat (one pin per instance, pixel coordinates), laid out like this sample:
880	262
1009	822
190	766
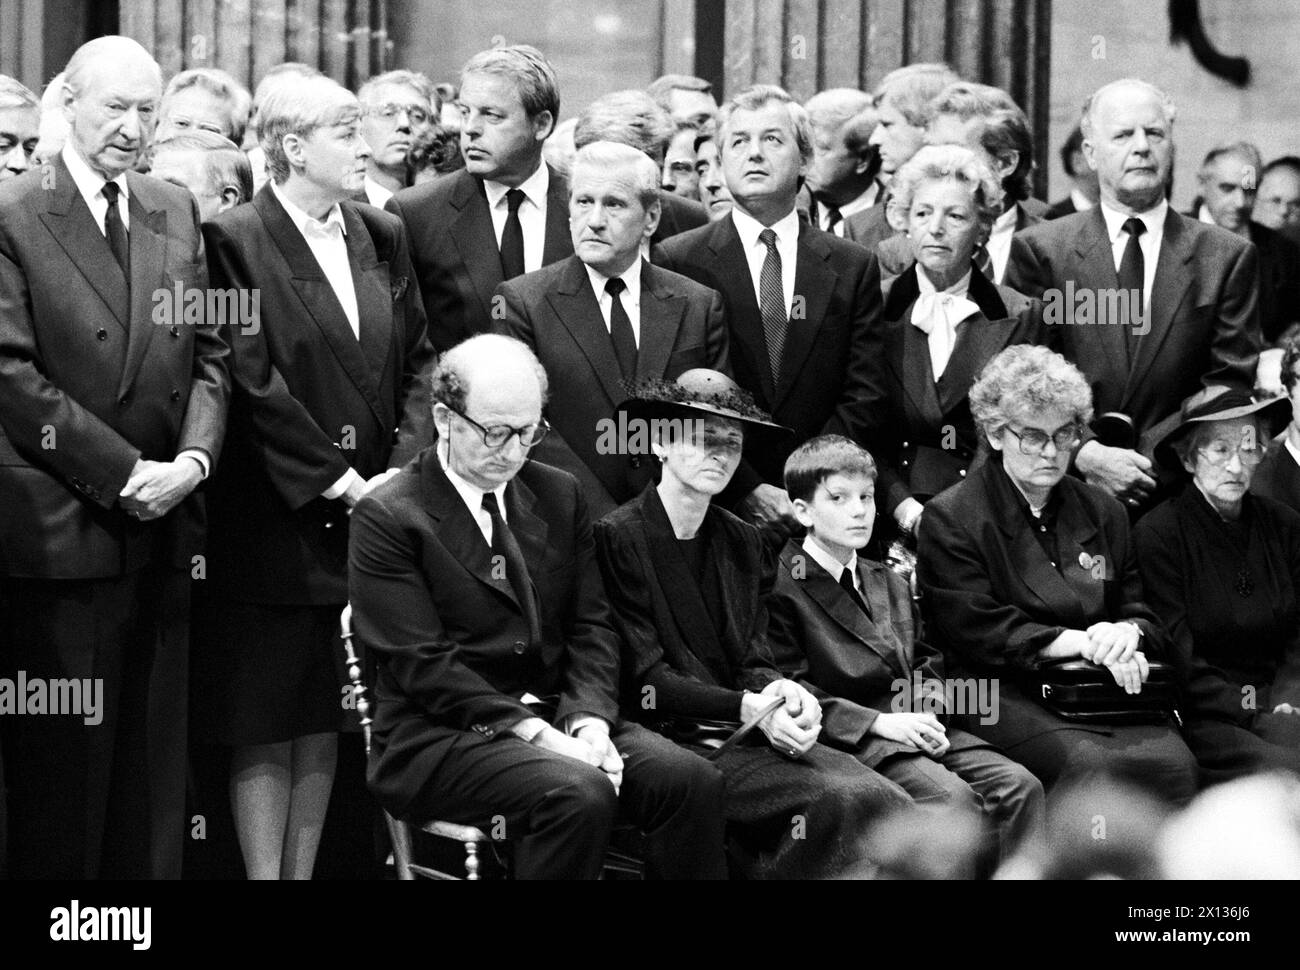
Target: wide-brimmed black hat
1216	404
699	392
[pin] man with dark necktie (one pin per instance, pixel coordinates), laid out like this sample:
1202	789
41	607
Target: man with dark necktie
842	177
474	582
506	212
605	317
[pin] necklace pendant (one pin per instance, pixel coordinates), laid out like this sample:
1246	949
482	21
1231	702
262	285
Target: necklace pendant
1244	585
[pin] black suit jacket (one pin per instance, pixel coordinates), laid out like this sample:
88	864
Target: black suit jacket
310	399
455	253
921	433
452	647
1204	326
1060	208
676	216
1279	282
870	227
95	376
824	377
555	312
1278	475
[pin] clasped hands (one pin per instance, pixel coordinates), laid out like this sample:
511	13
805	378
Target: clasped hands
1115	647
157	487
591	745
792	728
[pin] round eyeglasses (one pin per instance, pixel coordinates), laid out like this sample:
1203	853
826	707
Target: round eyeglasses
1032	441
498	434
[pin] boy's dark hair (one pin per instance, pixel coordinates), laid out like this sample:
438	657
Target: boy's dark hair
819	458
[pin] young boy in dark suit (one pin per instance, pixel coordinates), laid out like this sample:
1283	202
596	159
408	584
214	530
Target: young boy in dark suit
846	628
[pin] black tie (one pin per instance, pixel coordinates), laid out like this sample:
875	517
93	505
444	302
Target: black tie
772	303
512	238
620	330
983	261
833	217
504	545
846	582
1132	273
115	230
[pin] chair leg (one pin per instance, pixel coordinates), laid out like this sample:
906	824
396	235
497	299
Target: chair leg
471	861
400	835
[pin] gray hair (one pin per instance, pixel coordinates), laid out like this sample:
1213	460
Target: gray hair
527	69
480	354
911	88
933	163
611	155
661	88
219	84
411	79
753	98
224	163
15	94
631	117
1090	104
1241	149
1028	379
299	105
114	46
1187	444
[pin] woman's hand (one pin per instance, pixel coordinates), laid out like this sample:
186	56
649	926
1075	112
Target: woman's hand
1130	674
923	731
908	515
1112	643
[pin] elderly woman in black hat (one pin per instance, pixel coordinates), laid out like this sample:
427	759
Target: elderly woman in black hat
687	581
1221	568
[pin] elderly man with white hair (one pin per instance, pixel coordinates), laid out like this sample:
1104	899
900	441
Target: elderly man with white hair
1158	304
112	410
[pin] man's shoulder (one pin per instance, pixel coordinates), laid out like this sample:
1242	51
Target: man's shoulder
1053	233
669	281
159	193
23	190
380	224
686	214
549	483
422	200
539	281
683	245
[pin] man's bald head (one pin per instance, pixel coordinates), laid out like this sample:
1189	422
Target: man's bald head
111	91
1128	138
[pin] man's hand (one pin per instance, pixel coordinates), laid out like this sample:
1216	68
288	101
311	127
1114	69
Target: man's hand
792	728
1110	643
908	514
923	731
1286	709
1268	373
1120	471
611	762
770	507
157	487
356	489
559	742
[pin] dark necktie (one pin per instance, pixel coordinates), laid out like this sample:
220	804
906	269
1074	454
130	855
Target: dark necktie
1132	273
846	582
115	230
504	544
833	217
620	330
983	261
772	303
512	238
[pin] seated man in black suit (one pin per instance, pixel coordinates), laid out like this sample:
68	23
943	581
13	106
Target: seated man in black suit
803	306
605	317
474	583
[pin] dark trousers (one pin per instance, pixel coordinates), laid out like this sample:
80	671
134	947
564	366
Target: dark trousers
105	799
804	819
558	812
1227	751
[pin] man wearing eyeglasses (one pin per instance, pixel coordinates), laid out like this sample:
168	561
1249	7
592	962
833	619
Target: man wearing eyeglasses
398	109
474	585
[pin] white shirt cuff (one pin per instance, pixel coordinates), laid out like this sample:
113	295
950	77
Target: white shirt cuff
342	485
200	456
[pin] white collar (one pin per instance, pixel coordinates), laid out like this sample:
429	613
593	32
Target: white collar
305	223
470	493
89	183
631	278
1295	452
376	194
534	188
927	286
1203	215
749	228
828	562
865	201
1081	202
1153	219
1006	222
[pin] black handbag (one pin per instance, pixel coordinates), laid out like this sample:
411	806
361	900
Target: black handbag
1079	690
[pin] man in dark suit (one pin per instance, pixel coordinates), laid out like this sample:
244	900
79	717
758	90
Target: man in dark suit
842	176
803	307
1083	180
663	324
112	405
1196	286
474	582
505	213
1278	475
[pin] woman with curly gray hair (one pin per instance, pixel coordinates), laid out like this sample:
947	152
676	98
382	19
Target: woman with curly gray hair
1022	564
943	321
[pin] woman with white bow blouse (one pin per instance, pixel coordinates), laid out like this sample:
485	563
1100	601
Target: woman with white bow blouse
943	321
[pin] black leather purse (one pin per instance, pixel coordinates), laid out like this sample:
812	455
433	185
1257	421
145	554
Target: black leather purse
1079	690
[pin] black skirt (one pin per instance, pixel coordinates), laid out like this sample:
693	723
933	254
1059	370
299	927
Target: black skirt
264	673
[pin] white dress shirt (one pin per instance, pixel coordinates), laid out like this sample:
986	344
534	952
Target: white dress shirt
1295	452
473	496
999	244
1154	220
865	201
787	246
937	314
630	297
832	565
376	194
1081	202
532	213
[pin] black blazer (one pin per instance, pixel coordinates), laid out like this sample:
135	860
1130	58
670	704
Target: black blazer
1279	282
555	312
455	253
677	215
310	399
96	374
676	662
824	378
921	433
450	640
1278	475
1205	292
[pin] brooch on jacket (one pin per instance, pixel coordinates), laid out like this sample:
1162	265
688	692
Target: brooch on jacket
399	288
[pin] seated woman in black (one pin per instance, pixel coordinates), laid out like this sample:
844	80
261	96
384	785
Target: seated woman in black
1221	568
686	580
1021	563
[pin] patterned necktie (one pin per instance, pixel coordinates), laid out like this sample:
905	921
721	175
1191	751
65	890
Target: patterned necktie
512	238
772	304
115	230
620	329
505	545
846	583
1132	274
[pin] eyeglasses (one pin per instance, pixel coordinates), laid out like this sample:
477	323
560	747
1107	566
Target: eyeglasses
711	441
497	435
1033	441
1221	452
388	112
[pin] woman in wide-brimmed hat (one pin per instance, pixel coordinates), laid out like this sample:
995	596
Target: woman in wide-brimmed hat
686	580
1221	568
